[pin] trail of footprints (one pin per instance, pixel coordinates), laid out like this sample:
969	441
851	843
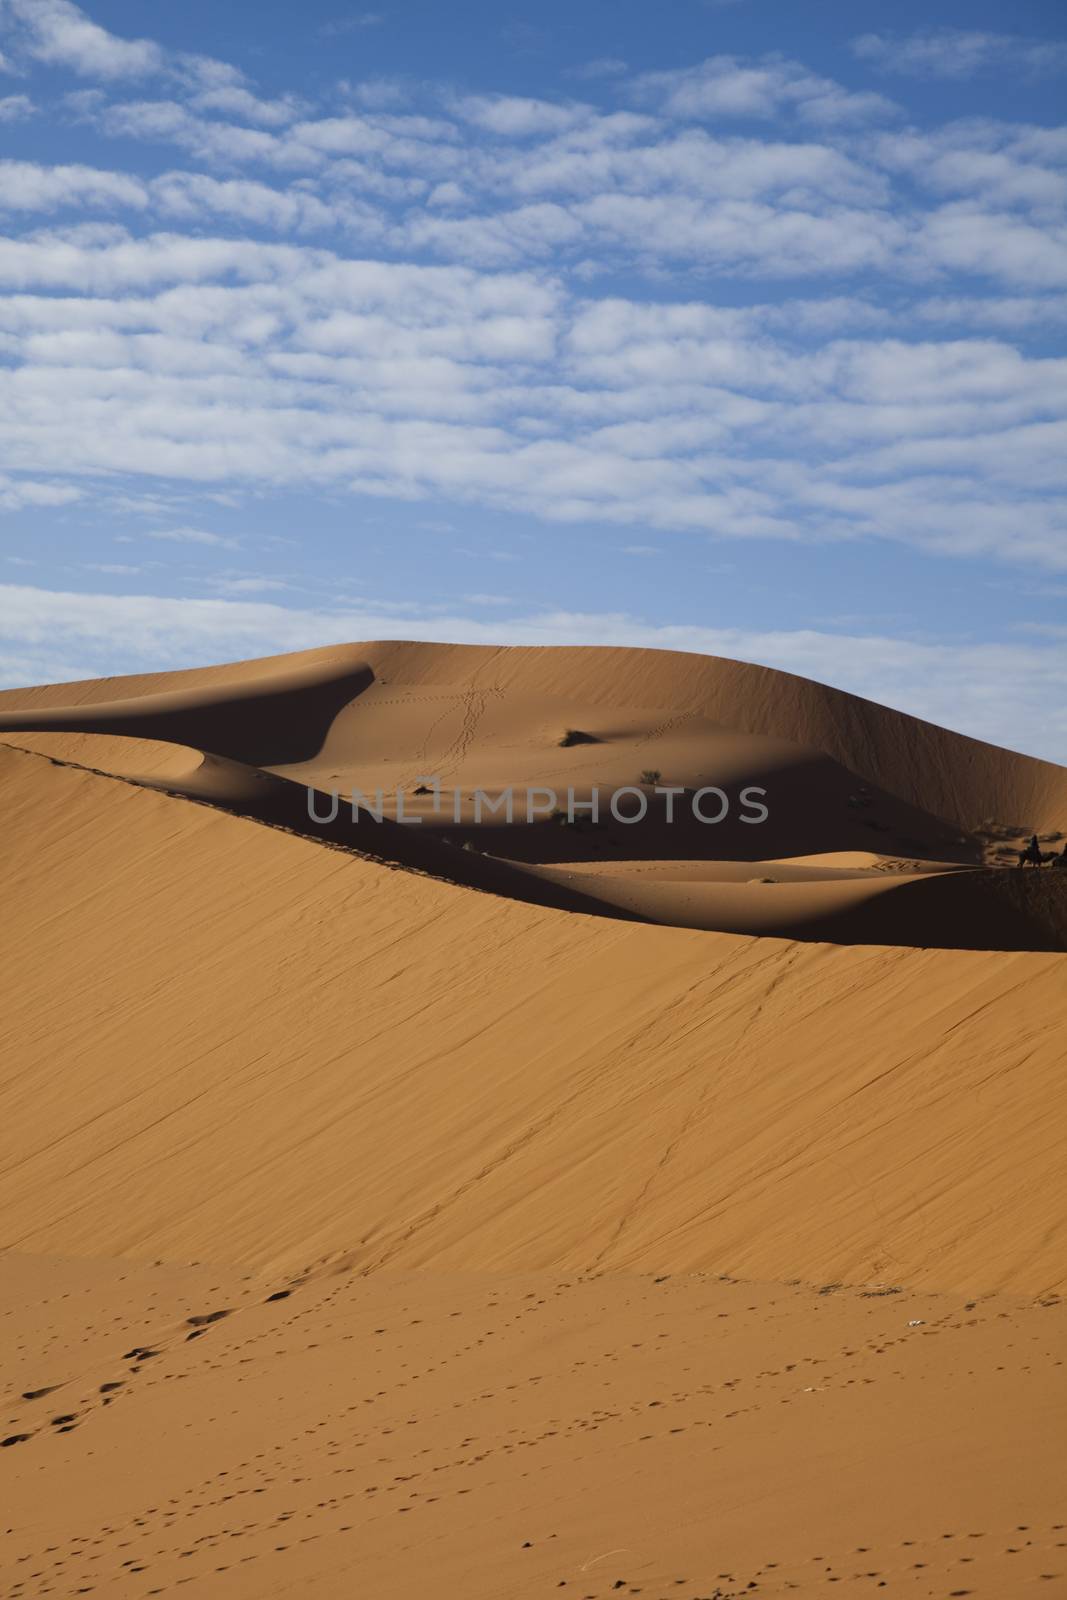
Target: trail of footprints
322	1454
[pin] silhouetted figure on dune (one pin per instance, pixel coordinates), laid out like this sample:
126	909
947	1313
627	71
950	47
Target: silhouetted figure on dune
1031	856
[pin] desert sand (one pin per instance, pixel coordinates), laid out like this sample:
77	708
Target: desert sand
661	1210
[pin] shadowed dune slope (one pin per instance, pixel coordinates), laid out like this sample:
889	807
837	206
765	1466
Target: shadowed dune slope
991	909
222	1042
261	719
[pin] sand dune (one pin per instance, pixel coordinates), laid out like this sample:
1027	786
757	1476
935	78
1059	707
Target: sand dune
378	1062
837	774
954	777
574	1229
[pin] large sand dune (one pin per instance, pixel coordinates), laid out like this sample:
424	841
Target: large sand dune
230	1043
837	774
962	780
617	1257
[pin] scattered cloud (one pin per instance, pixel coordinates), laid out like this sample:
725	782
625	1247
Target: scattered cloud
959	53
252	584
221	362
192	536
352	24
15	107
58	33
601	67
500	181
518	118
724	87
19	493
376	94
30	186
234	101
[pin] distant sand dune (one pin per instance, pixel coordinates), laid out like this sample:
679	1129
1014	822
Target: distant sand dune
838	773
962	780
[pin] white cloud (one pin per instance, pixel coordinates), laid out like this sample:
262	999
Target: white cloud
16	494
93	262
192	536
528	233
185	196
350	24
248	585
508	180
747	237
1001	165
15	107
612	155
400	381
888	390
168	121
967	238
235	101
518	118
376	94
60	34
1008	313
727	86
200	73
195	196
959	52
600	67
30	186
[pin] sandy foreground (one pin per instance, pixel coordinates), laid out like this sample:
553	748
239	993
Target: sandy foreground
430	1221
464	1434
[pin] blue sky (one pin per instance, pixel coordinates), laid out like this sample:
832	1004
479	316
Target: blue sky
734	327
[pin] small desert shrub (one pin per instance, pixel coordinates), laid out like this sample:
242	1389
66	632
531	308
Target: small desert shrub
651	775
573	736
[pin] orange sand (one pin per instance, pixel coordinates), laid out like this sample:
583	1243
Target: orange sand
603	1238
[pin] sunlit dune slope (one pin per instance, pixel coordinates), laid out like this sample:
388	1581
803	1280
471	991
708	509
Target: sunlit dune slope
224	1042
